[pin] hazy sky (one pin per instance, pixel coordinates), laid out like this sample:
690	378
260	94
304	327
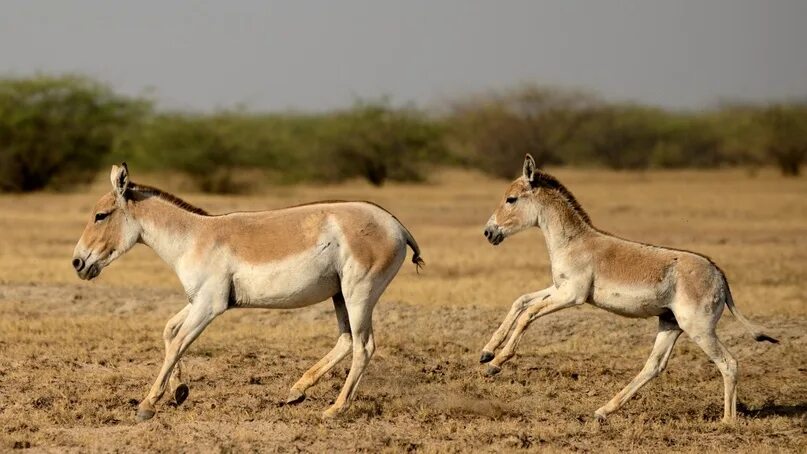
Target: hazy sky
273	55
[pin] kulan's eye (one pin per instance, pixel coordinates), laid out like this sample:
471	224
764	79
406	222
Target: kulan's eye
100	216
511	200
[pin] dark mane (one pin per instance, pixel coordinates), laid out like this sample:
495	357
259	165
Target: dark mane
545	180
149	191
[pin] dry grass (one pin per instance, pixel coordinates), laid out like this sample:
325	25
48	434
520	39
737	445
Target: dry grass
76	357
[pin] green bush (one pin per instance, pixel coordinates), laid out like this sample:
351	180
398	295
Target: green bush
623	136
786	136
58	130
208	148
636	137
493	131
372	141
378	143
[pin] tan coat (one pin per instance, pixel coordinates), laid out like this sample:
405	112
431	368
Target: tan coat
288	258
685	290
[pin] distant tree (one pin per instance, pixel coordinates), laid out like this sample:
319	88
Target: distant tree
786	127
58	130
622	136
208	148
741	135
496	130
379	143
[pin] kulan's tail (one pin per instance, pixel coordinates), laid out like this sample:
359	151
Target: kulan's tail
756	330
410	240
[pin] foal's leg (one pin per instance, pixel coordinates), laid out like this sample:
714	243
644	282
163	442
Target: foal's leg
668	332
342	348
179	389
717	352
547	306
360	312
519	306
201	313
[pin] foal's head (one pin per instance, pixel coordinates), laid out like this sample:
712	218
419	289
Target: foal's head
533	197
518	209
111	230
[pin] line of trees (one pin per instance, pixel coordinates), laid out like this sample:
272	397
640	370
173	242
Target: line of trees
57	131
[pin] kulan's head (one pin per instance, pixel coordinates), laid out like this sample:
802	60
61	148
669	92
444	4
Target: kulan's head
519	208
111	230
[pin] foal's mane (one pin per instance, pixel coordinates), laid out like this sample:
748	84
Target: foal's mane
545	180
150	191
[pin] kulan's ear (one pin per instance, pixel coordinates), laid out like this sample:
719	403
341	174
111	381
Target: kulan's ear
529	167
119	176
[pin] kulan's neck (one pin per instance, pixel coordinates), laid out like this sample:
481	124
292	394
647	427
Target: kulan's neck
166	228
561	224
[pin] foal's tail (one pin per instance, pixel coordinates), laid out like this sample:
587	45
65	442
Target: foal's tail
756	330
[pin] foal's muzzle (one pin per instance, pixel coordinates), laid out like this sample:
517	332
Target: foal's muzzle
494	235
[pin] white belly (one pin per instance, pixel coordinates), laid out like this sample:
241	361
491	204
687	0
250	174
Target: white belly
300	280
630	301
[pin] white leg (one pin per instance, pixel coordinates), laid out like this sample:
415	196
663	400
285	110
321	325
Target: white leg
175	385
360	313
717	352
668	332
519	306
552	304
199	316
342	348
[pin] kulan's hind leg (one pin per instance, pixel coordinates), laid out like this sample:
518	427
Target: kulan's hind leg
360	309
339	351
361	291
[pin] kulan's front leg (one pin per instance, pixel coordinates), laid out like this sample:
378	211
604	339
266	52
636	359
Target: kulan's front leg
519	305
198	318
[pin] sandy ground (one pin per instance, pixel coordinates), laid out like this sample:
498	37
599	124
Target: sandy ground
76	357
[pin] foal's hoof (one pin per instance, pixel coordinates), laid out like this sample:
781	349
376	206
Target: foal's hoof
331	413
181	393
144	414
493	370
486	357
295	397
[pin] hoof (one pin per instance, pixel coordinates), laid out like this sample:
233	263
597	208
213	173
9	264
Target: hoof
493	370
486	357
295	397
144	414
181	393
331	413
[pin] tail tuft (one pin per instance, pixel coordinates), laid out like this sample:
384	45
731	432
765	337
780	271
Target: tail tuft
754	329
762	337
419	263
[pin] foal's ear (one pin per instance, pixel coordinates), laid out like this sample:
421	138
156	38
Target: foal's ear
529	167
119	176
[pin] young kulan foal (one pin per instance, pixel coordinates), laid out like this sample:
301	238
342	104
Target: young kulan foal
686	291
288	258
